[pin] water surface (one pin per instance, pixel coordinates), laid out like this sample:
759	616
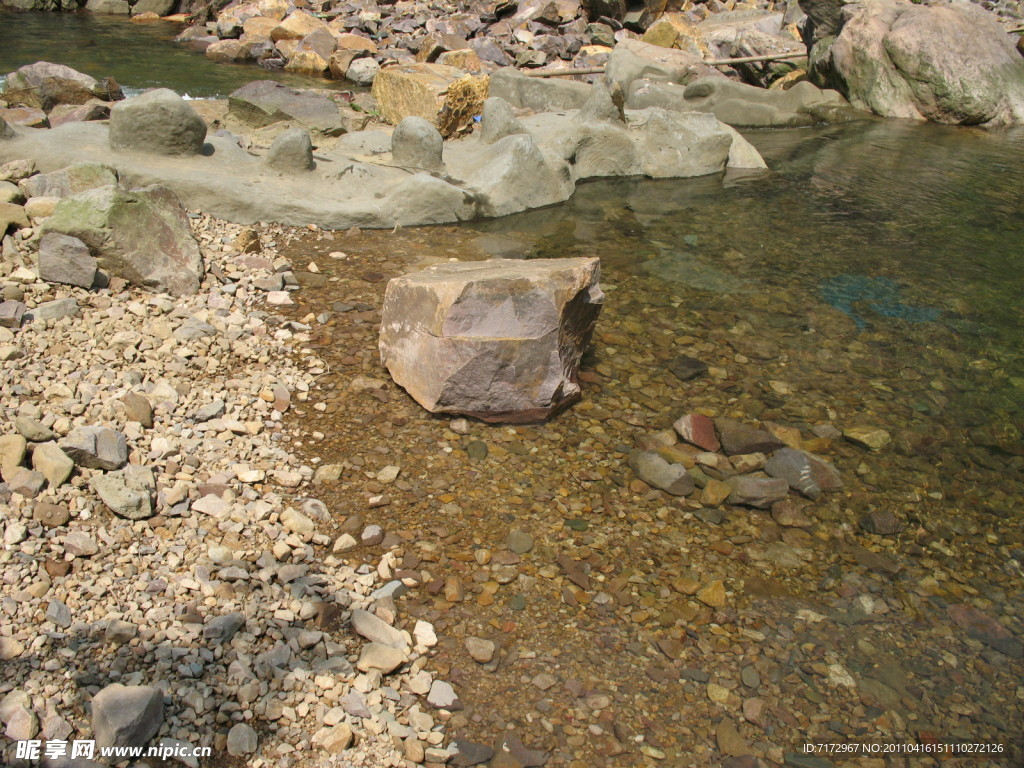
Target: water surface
137	56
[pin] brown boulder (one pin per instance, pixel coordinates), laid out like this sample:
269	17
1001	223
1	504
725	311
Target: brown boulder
500	340
44	85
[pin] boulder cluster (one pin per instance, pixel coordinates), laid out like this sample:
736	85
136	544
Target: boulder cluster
353	40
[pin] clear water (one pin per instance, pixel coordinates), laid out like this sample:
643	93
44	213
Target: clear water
137	56
913	232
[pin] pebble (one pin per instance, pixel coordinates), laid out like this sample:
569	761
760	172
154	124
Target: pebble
481	650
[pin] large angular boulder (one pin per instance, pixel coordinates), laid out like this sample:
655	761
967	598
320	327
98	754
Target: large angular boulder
945	63
500	340
64	259
45	85
127	715
159	122
634	60
540	94
142	235
264	102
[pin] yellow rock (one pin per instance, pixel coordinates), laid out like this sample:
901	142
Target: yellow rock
273	9
413	89
673	31
714	493
258	28
296	26
464	58
350	42
226	50
713	594
307	63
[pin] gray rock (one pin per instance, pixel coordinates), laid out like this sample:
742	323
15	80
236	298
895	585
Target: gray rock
159	7
416	143
362	71
25	481
376	630
634	60
65	182
754	491
142	236
468	753
949	63
659	473
12	314
194	328
498	121
210	411
242	740
741	105
443	696
9	193
126	716
57	309
604	104
33	430
291	152
739	438
55	465
263	102
44	85
80	544
127	492
221	629
377	656
158	122
120	632
481	650
96	447
500	340
520	542
138	408
59	614
6	132
804	472
22	724
539	94
65	259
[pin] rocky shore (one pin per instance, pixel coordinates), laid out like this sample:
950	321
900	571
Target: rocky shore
161	534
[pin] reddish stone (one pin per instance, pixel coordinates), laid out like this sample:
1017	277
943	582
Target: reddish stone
698	430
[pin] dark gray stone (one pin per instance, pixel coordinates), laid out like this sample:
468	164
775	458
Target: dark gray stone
96	447
66	259
416	143
264	102
498	121
126	716
159	122
291	152
759	492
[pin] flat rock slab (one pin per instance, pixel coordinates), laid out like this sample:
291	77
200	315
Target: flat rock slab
500	340
264	102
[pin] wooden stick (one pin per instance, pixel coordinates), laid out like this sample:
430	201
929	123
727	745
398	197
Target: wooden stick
752	59
562	72
712	63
